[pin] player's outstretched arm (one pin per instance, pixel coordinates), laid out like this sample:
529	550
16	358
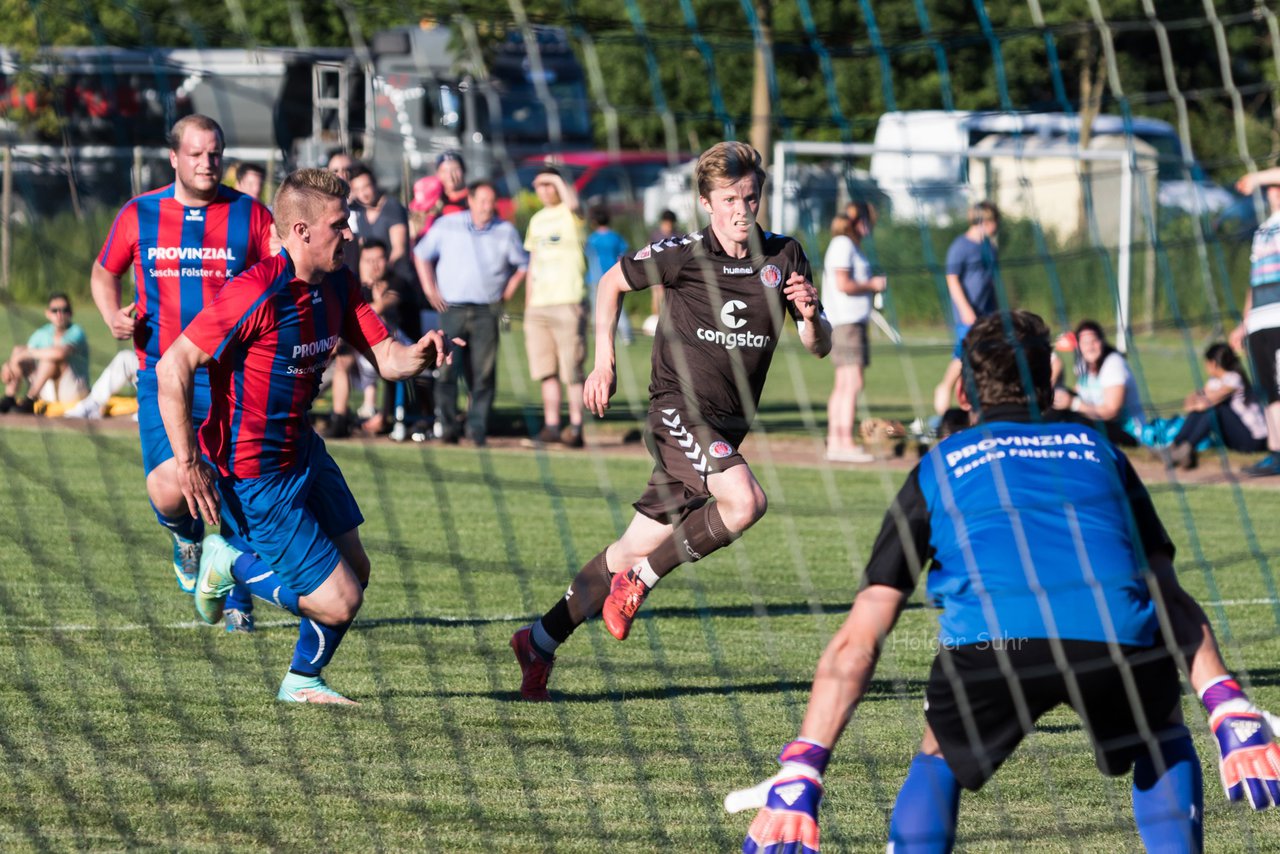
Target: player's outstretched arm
1249	758
395	361
105	288
602	382
788	801
175	376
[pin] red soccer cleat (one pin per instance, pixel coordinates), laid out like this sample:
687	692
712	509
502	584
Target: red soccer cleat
626	594
534	669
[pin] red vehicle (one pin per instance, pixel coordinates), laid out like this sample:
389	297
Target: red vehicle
616	180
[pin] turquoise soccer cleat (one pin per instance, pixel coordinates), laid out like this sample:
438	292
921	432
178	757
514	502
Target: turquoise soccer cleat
215	580
296	688
186	562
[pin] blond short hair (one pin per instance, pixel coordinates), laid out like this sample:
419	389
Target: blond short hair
303	194
727	163
196	121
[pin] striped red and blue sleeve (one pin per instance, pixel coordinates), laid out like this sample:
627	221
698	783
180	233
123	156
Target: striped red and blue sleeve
262	226
120	247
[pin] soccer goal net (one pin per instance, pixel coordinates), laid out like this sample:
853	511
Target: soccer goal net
1108	136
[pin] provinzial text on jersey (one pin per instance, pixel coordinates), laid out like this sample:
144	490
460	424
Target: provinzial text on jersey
190	253
314	348
1017	441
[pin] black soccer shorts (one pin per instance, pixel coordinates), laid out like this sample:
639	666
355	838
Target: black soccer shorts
685	453
978	719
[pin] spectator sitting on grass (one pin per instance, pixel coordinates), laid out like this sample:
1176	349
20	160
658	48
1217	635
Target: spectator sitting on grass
1226	406
1105	388
54	363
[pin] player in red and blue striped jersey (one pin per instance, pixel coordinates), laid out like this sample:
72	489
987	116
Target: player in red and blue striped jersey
292	523
184	242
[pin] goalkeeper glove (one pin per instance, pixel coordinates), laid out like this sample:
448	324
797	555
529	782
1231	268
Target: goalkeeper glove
787	821
1250	758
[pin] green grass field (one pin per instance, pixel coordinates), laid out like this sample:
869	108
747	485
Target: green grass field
123	724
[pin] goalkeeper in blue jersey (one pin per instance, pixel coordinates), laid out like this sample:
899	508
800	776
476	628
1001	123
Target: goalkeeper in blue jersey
1056	584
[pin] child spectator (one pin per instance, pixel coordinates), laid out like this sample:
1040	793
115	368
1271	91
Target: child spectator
604	248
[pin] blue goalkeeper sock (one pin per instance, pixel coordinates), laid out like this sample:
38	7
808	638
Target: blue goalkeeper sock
253	574
316	645
924	816
1169	807
185	525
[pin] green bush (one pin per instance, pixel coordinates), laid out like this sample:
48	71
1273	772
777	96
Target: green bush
56	253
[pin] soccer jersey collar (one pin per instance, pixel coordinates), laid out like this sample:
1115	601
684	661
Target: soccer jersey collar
1011	412
756	247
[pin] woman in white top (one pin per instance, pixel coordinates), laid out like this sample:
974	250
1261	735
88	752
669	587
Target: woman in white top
847	289
1226	406
1105	388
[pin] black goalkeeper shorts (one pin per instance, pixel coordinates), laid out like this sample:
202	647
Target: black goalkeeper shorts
979	718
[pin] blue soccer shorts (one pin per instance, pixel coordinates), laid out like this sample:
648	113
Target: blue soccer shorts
290	519
155	442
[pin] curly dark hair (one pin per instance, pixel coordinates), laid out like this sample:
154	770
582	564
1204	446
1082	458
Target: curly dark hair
1005	356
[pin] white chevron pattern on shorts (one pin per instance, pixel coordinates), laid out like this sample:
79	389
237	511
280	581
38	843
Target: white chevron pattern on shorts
693	451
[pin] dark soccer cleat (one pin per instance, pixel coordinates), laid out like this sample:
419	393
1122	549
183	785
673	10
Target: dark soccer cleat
534	669
626	595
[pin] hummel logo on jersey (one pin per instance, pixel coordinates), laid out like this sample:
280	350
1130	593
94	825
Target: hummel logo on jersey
738	271
195	215
190	253
1244	730
727	317
790	793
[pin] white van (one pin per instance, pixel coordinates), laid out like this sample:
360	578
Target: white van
922	157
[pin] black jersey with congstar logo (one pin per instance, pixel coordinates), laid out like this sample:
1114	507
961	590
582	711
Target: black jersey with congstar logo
721	319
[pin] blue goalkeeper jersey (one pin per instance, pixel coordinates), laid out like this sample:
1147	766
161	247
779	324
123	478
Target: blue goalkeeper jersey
1033	530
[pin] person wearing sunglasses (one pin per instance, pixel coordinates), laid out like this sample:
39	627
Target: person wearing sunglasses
54	363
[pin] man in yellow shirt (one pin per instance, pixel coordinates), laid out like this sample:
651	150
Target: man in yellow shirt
555	319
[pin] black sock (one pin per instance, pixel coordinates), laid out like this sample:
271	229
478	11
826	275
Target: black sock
584	600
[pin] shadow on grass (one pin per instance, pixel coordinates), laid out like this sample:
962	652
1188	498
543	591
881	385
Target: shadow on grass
879	689
670	613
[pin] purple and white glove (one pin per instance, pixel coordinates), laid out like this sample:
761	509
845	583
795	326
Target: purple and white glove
1250	758
787	821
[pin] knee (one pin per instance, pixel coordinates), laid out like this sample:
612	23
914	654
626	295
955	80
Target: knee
744	509
164	491
343	607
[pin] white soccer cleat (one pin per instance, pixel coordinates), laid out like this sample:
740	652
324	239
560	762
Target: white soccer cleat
296	688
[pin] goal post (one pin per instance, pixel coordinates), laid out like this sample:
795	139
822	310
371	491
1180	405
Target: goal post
1129	165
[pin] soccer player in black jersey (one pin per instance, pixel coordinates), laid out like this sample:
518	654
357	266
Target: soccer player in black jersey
729	289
